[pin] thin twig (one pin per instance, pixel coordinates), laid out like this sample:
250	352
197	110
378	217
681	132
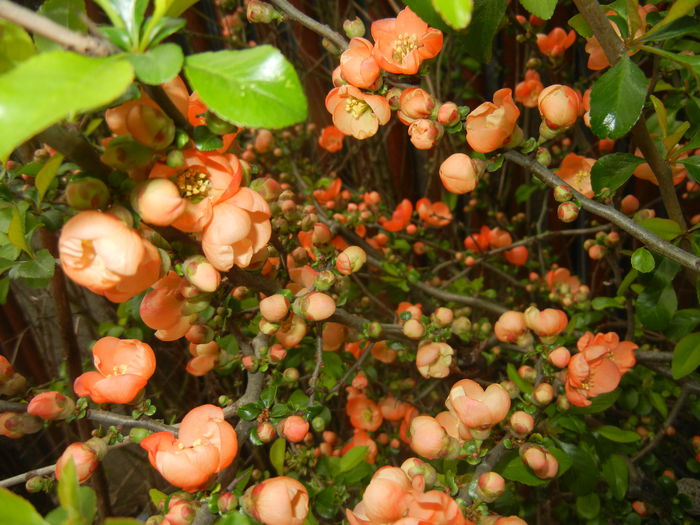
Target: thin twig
317	368
667	424
353	368
308	22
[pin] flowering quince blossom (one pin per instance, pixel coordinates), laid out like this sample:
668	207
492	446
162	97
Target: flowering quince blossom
400	218
358	65
433	213
98	251
124	366
492	124
527	91
590	373
331	139
477	408
51	406
356	113
556	42
206	444
619	352
575	170
402	43
277	501
85	456
163	308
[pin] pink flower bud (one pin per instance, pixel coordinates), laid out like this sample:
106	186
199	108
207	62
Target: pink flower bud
428	438
434	359
543	394
490	487
442	316
15	425
413	329
275	308
266	432
277	353
293	428
460	173
316	306
84	458
415	103
559	106
629	204
180	511
596	252
511	388
51	406
277	501
521	423
424	133
199	272
350	260
527	373
258	12
559	357
227	502
87	193
448	114
413	467
567	211
249	362
510	327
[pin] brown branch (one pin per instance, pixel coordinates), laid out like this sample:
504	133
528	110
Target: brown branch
667	424
317	369
461	299
365	354
308	22
609	213
74	146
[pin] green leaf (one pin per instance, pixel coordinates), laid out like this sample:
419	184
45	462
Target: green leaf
616	474
267	396
598	404
49	87
4	289
157	65
513	375
235	518
512	467
15	45
352	458
612	171
456	14
15	232
426	10
659	403
68	13
588	506
249	411
131	12
580	25
156	496
17	510
656	306
643	260
68	488
683	322
46	175
479	36
205	139
617	99
543	9
40	267
173	7
692	165
678	9
618	435
583	476
686	356
163	28
681	27
664	228
602	303
254	87
277	455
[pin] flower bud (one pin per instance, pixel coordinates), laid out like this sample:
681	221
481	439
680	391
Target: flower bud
87	193
527	373
629	204
51	406
277	353
324	280
521	423
266	432
293	428
393	97
562	193
150	126
490	487
258	12
413	329
510	327
125	153
350	260
200	273
448	114
84	458
511	388
442	316
217	125
354	28
15	425
227	502
460	173
175	158
543	394
428	438
559	106
567	211
461	327
424	133
275	308
415	103
315	306
559	357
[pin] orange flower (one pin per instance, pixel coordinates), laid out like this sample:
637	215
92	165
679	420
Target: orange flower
402	43
527	91
204	180
477	408
590	373
434	213
204	358
644	171
100	252
330	193
51	405
556	42
277	501
400	218
385	499
206	445
331	139
364	413
575	170
435	506
124	367
196	115
85	459
559	106
547	323
163	308
620	353
357	64
491	125
356	113
478	242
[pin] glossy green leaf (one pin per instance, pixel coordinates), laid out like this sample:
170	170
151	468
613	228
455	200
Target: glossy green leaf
681	27
478	38
131	12
157	65
68	488
612	171
580	25
48	87
254	87
664	228
617	99
588	506
17	510
678	9
643	260
352	458
172	7
42	266
603	303
15	231
692	166
46	174
15	45
249	411
456	14
425	9
205	139
686	356
277	451
582	478
68	13
156	496
658	402
656	306
618	435
163	28
683	322
543	9
513	375
616	473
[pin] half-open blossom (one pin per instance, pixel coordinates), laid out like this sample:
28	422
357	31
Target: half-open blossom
527	91
204	358
50	405
492	124
402	43
200	273
385	499
415	103
85	459
433	213
164	308
425	133
436	507
559	106
206	444
547	323
350	260
429	439
619	352
356	113
556	42
478	242
434	359
575	170
358	65
124	366
510	327
278	501
400	218
331	139
589	374
477	408
100	252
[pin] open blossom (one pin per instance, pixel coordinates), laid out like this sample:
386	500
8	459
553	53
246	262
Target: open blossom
277	501
556	42
527	91
619	352
100	252
164	308
385	499
477	408
402	43
400	218
358	65
331	139
491	125
206	444
547	323
434	359
575	170
356	113
364	413
433	213
590	373
124	366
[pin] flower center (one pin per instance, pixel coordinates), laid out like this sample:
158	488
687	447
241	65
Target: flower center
118	370
404	45
580	177
193	184
356	107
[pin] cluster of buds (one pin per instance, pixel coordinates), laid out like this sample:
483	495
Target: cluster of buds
178	509
597	248
543	464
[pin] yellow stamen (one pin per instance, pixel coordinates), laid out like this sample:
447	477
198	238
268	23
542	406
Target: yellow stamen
356	107
404	45
193	184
